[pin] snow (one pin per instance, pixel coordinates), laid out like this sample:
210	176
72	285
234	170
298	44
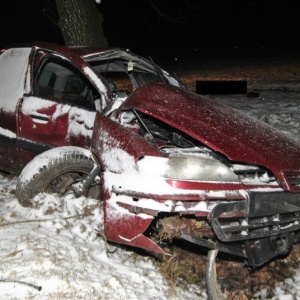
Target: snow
57	245
150	170
60	251
102	88
7	133
13	76
43	160
80	121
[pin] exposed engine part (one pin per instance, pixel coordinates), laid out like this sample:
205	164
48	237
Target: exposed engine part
156	130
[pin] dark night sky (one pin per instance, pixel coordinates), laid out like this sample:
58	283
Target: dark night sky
174	28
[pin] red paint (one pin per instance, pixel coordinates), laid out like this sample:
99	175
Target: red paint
223	129
215	186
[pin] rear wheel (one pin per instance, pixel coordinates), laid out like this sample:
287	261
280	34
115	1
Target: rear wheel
56	171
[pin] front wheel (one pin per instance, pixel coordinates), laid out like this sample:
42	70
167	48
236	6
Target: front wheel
55	171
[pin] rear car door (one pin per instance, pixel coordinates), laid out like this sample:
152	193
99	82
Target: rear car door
14	82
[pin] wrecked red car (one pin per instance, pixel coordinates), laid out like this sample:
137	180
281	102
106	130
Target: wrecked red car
49	96
121	129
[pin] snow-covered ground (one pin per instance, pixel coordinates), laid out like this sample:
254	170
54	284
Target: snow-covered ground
58	246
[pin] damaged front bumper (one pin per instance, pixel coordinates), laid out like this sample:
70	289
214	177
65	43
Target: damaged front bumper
256	226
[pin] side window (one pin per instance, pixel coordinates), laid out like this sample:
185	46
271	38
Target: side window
61	81
75	85
45	84
47	78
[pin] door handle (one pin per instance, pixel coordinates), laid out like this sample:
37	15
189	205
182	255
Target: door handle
38	118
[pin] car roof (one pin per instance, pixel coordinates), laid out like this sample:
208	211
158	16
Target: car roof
87	51
81	51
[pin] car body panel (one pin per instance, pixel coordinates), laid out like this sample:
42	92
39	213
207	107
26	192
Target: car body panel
228	131
46	124
109	136
45	120
117	155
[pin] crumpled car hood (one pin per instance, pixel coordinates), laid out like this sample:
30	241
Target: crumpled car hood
223	129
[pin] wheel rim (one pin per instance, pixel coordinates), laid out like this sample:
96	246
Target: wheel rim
63	184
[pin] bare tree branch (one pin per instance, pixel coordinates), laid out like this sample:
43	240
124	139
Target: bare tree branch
44	220
165	16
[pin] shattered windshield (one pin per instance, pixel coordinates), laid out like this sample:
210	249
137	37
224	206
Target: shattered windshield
125	71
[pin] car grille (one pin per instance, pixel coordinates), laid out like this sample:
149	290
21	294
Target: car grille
294	180
254	228
252	174
262	215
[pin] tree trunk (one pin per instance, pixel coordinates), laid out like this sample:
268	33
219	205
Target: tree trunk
80	23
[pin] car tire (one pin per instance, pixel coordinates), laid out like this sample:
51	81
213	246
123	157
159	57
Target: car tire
54	171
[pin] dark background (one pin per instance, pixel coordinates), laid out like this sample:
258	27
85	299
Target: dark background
171	29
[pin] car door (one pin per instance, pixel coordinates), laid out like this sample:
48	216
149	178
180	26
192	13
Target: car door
60	111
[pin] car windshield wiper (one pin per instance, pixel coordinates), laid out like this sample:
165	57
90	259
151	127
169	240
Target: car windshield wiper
158	71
